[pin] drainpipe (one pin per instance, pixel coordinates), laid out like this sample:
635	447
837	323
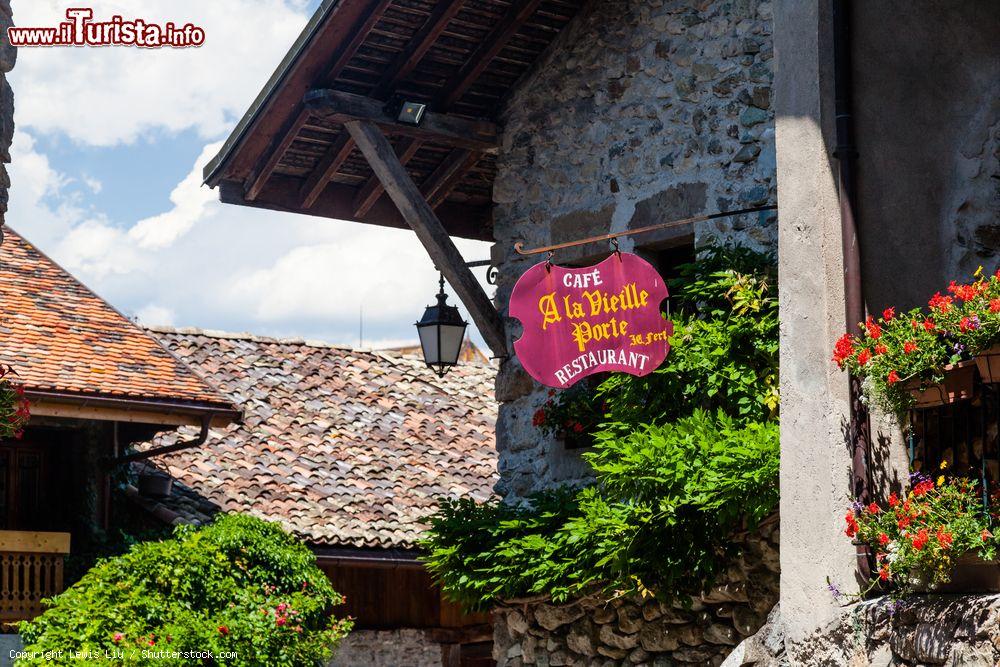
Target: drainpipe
206	422
846	153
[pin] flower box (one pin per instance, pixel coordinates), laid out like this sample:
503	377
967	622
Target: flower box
958	384
972	574
988	363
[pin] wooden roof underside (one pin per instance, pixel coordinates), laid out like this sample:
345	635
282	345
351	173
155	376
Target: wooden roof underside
460	57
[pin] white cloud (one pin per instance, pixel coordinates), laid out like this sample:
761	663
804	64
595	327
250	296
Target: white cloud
203	263
190	199
155	315
92	184
111	95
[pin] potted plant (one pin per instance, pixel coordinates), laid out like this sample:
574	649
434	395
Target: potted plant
969	317
903	360
14	407
935	538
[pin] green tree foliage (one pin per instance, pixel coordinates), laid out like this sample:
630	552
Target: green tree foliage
685	456
241	586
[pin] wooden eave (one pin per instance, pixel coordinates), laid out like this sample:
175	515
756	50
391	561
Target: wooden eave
291	151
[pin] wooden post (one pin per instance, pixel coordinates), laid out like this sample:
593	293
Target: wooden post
420	216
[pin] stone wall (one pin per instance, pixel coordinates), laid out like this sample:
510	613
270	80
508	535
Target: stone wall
387	648
642	112
952	630
649	632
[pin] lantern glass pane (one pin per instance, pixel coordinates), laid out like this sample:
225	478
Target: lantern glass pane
429	343
452	337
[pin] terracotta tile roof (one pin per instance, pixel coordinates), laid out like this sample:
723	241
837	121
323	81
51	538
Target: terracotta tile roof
61	337
346	448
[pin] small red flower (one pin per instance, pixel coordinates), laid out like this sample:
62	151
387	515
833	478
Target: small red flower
864	356
223	630
888	314
843	350
920	539
852	525
995	305
929	324
539	417
944	538
117	637
874	330
893	499
986	534
940	303
883	539
893	377
873	508
883	573
881	349
909	347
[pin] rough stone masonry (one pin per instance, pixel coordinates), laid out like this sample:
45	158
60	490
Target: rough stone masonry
644	111
594	631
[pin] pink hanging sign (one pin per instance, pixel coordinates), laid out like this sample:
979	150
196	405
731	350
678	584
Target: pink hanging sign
578	322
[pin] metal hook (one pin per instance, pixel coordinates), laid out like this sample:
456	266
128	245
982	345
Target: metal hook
614	247
548	260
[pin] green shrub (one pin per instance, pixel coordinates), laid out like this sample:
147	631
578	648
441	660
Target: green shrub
682	458
240	585
657	520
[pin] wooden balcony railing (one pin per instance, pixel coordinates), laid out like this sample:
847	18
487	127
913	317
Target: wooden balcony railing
31	568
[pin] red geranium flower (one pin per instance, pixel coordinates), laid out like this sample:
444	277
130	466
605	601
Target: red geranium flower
883	539
888	314
881	349
223	630
893	377
844	349
944	538
874	330
909	347
893	499
929	324
920	539
864	356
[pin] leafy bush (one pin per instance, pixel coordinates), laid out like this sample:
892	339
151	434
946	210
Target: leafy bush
240	585
682	458
658	519
724	351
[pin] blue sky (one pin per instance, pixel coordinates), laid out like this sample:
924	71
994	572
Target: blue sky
106	168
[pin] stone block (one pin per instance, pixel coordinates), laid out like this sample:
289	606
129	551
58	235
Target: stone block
609	637
630	619
551	617
657	638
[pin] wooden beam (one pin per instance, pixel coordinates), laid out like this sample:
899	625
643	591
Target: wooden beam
453	131
269	160
22	541
420	216
488	49
358	36
369	193
334	158
439	184
408	59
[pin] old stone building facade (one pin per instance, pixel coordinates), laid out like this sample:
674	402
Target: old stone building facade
641	112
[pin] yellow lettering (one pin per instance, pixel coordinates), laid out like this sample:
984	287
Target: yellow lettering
550	312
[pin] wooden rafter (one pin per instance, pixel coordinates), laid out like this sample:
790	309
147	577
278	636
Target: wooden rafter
439	184
439	128
408	59
334	158
359	35
480	59
269	160
372	189
421	218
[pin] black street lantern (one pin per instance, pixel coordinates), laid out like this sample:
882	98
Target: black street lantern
442	332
